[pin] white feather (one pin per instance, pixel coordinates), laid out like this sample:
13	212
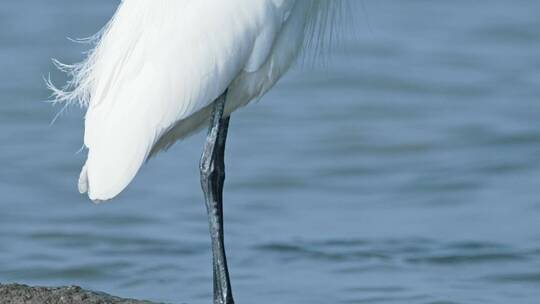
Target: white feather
158	66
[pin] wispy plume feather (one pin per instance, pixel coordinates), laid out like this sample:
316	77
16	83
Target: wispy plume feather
77	89
326	28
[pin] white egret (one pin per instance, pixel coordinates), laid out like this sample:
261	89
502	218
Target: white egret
163	68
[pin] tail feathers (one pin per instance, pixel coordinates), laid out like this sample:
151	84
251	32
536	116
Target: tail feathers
83	180
100	181
84	185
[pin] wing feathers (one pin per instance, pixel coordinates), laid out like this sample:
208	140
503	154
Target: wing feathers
157	63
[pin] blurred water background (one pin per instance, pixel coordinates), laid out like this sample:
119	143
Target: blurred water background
405	171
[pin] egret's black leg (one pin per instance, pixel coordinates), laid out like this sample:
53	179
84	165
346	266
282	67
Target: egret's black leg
212	168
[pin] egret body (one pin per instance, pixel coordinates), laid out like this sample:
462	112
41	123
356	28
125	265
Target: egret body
162	69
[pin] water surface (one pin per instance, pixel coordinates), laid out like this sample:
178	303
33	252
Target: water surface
405	171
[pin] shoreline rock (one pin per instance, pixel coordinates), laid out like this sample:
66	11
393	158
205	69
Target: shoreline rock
23	294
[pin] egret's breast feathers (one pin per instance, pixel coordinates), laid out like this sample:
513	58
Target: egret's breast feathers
159	62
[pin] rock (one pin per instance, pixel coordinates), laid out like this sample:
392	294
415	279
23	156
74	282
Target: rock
22	294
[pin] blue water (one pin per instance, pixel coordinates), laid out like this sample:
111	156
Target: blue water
406	170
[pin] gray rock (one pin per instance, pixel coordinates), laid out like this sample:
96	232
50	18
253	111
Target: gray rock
22	294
